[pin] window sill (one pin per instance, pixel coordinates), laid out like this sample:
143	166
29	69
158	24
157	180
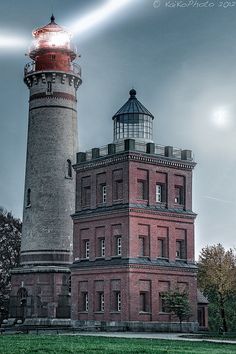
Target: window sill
84	259
67	177
85	312
146	257
163	258
99	312
164	313
100	205
144	313
84	207
115	312
162	205
28	206
179	206
181	260
118	201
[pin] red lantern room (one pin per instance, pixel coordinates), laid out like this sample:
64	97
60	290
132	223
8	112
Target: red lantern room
52	48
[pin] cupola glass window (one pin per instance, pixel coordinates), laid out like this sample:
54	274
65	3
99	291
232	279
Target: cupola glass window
133	120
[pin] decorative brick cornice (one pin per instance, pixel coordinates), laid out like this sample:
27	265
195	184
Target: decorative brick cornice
33	77
63	95
136	157
40	269
135	263
127	208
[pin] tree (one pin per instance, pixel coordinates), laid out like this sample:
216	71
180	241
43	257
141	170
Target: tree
177	303
10	238
217	278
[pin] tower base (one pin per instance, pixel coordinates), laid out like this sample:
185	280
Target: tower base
40	292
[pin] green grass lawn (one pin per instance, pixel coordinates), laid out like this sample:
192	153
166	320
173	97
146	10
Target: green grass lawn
63	344
226	336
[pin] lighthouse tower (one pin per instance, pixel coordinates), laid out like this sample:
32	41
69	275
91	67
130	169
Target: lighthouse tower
40	286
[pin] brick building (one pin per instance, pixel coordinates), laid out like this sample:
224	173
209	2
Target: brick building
133	227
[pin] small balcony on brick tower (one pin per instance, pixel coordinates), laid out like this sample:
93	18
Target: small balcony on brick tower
133	227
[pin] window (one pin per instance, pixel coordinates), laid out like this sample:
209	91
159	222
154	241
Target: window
85	301
53	57
162	303
49	87
86	249
179	195
104	193
161	248
86	196
28	198
180	249
141	190
118	301
118	246
118	193
102	247
69	284
141	246
160	193
143	302
22	296
69	169
101	303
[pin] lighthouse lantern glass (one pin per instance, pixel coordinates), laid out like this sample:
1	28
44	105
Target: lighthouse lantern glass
52	39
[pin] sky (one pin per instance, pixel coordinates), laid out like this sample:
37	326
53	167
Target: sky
180	58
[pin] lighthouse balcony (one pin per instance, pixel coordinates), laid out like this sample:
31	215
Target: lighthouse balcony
30	68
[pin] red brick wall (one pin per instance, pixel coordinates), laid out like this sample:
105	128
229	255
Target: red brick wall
131	219
131	282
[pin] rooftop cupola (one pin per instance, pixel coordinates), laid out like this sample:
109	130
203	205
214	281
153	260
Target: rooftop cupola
133	121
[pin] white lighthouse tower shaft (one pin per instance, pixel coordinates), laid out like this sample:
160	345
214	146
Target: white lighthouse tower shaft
49	180
46	249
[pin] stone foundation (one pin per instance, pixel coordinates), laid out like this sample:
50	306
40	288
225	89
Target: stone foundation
135	326
40	293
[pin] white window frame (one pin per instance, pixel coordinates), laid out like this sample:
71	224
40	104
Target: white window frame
118	301
159	193
86	302
118	246
104	193
178	251
87	249
180	197
102	302
102	247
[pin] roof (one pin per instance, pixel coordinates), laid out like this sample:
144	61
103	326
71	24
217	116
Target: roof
133	106
50	27
201	299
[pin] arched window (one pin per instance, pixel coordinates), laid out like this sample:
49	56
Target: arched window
22	296
28	198
69	169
